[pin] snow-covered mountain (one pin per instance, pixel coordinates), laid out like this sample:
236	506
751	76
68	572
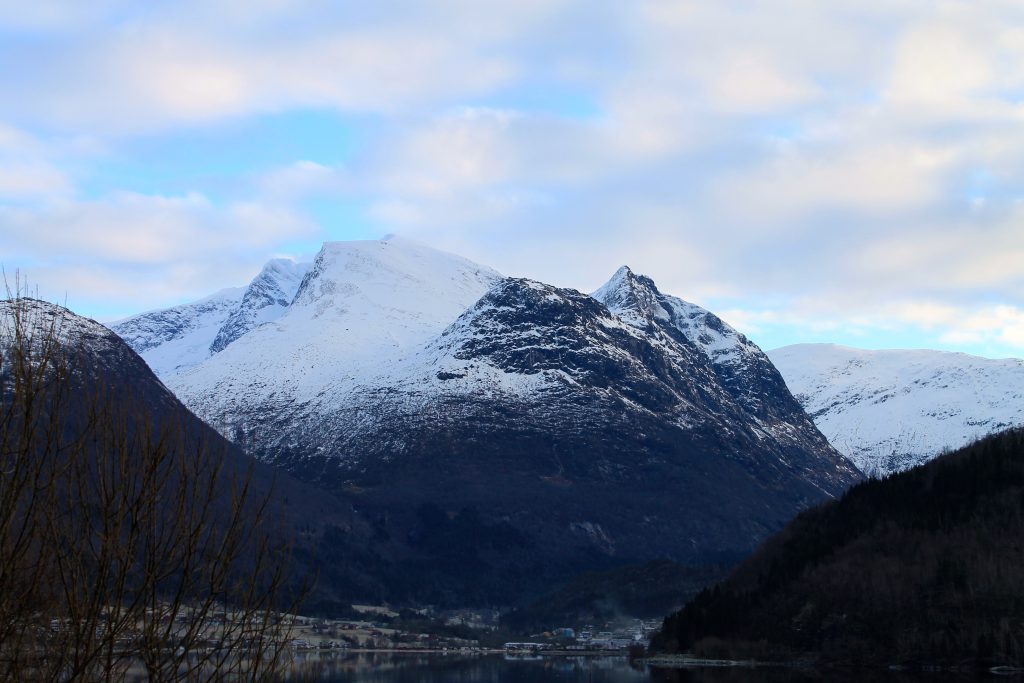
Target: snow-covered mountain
174	339
890	410
624	425
361	308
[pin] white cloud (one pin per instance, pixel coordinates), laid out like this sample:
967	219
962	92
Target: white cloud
994	330
868	154
14	140
303	179
952	257
144	229
30	168
20	180
455	154
939	66
206	61
797	179
1002	325
141	250
749	83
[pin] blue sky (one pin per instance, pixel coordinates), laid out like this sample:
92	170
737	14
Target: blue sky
812	171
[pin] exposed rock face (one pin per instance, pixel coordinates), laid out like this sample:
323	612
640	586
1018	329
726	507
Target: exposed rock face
541	408
596	433
742	369
265	299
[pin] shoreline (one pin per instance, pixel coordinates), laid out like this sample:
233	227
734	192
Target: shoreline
688	662
457	651
670	661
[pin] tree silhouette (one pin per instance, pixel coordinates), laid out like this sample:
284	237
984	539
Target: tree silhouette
131	540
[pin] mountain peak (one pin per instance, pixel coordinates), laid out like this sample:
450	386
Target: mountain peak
266	297
280	264
623	273
633	298
362	307
388	272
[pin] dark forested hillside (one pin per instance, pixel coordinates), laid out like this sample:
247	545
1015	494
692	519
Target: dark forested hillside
924	566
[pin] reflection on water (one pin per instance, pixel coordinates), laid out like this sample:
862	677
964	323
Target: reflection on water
406	668
437	668
782	675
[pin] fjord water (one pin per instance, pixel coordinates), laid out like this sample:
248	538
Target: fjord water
436	668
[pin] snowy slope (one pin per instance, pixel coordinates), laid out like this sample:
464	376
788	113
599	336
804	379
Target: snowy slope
890	410
175	339
179	337
361	307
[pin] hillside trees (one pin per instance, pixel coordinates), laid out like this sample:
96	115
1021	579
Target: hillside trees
129	540
924	566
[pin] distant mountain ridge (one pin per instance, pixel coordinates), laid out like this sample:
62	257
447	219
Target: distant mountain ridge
175	339
893	409
178	337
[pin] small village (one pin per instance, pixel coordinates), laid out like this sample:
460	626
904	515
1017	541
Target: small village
380	628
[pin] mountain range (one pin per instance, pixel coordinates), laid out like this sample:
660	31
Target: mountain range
502	433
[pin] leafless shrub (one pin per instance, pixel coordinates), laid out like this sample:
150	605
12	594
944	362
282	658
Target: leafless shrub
130	542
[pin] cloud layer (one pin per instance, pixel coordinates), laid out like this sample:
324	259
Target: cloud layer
845	171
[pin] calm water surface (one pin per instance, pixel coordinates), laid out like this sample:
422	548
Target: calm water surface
392	668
